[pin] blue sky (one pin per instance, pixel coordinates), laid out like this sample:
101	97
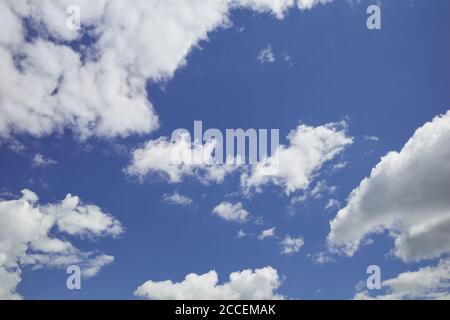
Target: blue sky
384	83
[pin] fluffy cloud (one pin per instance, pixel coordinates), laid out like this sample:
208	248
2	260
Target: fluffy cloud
28	237
267	233
292	167
100	89
291	245
242	285
309	148
266	55
175	159
177	199
406	194
231	212
425	283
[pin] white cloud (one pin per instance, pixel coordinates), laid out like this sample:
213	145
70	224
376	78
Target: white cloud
259	284
338	166
178	199
309	148
231	212
291	245
317	192
288	59
241	234
308	4
267	233
321	257
9	279
431	282
16	146
101	90
332	204
177	159
28	237
371	138
75	218
407	194
40	161
266	55
292	167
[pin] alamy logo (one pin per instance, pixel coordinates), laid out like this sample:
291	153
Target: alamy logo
73	22
74	280
374	280
236	147
374	20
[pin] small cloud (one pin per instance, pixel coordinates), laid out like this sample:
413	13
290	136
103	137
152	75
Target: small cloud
321	258
338	166
268	233
317	192
266	55
291	245
40	161
178	199
371	138
239	29
241	234
16	146
259	221
320	188
332	204
288	59
231	212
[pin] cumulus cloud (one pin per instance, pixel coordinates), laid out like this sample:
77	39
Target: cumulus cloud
291	245
406	194
267	233
242	285
308	150
28	237
40	161
292	167
178	199
431	282
266	55
178	158
231	212
100	89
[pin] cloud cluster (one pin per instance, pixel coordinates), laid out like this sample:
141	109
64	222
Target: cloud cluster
292	166
259	284
406	194
98	86
431	282
28	237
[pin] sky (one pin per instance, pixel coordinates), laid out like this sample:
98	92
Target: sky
86	118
